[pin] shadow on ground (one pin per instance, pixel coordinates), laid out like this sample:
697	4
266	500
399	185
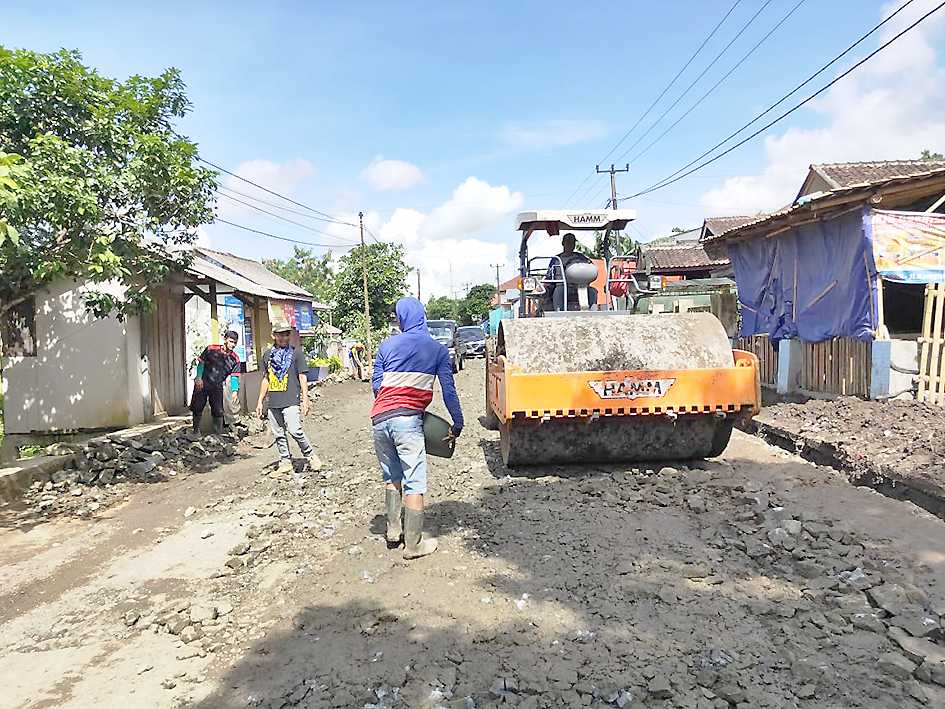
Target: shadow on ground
576	591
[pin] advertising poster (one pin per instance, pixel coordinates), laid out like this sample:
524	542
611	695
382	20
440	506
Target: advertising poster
909	246
232	317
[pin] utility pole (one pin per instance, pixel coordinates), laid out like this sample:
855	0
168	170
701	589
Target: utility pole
612	203
613	182
367	305
498	298
418	285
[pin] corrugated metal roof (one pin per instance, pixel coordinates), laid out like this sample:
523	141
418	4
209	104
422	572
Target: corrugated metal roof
257	273
202	266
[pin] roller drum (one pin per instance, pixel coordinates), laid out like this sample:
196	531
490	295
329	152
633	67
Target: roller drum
615	342
613	439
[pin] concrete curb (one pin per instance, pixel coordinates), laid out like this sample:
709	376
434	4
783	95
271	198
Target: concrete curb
17	478
922	492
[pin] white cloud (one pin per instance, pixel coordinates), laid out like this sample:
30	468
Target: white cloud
445	244
281	177
891	108
391	174
552	133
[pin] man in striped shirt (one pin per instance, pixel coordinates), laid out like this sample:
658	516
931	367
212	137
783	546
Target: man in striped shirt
404	371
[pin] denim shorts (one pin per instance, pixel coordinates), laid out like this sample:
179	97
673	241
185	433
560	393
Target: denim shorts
402	452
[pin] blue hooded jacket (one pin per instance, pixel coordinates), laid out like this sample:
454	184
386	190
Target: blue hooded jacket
407	364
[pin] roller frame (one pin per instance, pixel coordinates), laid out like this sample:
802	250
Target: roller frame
520	402
515	394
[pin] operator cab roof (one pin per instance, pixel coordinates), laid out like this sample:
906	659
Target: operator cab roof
554	220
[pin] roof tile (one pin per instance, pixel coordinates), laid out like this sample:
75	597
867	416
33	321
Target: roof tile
682	257
848	174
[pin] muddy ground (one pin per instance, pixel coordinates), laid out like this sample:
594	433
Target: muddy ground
753	580
899	441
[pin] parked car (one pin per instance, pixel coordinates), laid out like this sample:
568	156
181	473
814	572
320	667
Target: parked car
446	333
474	337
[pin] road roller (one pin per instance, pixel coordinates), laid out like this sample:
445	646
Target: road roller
578	376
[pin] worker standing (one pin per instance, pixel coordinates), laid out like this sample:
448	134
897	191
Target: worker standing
358	355
405	368
284	382
215	364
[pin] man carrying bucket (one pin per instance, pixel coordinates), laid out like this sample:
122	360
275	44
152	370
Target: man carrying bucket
404	370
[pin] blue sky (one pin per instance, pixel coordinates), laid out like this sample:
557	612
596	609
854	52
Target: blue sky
440	121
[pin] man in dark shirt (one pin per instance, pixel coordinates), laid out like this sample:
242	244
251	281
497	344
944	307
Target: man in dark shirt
284	368
215	364
556	292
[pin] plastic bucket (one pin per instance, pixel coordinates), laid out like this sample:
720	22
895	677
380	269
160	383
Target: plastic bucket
436	434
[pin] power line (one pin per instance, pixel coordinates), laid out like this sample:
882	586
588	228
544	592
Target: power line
283	208
373	235
695	81
285	219
284	238
716	85
266	189
658	98
680	174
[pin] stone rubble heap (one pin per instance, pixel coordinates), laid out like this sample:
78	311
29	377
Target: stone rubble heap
103	466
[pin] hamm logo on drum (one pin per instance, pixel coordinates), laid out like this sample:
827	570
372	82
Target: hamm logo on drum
632	388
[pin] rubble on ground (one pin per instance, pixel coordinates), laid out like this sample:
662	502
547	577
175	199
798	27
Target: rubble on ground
105	466
897	440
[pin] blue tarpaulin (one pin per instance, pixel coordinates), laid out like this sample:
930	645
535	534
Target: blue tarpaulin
814	281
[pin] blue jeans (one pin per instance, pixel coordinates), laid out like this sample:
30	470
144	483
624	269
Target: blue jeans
401	451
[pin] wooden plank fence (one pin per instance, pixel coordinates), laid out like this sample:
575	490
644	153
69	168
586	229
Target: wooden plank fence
766	354
838	366
932	347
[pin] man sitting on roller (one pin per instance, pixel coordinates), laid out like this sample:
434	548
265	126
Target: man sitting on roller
567	257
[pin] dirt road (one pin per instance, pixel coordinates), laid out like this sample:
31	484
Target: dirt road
755	580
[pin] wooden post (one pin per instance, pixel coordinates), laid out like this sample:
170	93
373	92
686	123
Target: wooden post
882	332
214	315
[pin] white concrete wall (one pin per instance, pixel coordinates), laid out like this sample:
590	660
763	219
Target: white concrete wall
87	373
905	355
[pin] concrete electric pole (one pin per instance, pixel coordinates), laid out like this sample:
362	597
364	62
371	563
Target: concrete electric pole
612	203
367	305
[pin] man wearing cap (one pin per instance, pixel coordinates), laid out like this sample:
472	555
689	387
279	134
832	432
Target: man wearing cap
404	370
215	364
284	381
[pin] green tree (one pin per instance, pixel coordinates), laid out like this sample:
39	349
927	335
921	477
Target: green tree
305	269
474	308
100	169
929	155
620	244
443	308
387	282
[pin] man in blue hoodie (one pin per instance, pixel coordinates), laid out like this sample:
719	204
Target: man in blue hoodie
404	371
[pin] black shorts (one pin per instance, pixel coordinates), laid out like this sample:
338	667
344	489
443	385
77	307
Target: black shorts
209	392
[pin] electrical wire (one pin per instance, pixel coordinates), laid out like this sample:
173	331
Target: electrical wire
283	208
285	219
266	189
716	85
682	172
285	238
658	98
695	81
